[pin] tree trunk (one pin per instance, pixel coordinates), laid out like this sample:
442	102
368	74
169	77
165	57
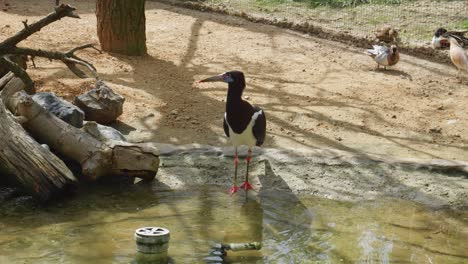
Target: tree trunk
97	159
34	168
121	26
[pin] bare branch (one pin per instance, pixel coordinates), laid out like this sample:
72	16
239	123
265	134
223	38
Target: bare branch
69	53
72	67
60	12
19	72
5	79
54	55
32	60
8	46
84	63
68	58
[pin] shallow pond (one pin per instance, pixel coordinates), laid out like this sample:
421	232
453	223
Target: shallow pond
97	226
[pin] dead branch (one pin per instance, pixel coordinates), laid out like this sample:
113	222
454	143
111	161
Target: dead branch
70	53
19	72
69	58
5	79
32	60
60	12
97	158
34	168
8	46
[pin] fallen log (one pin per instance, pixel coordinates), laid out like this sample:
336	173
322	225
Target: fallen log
35	169
97	158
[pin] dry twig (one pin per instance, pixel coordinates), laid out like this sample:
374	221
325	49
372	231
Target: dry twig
8	46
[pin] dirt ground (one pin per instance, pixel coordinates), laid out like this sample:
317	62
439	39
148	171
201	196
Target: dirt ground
316	93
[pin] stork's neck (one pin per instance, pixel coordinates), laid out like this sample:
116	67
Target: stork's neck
234	97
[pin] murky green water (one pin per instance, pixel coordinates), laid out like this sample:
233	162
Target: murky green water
98	227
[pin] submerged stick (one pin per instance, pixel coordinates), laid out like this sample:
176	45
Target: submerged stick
243	246
237	246
218	250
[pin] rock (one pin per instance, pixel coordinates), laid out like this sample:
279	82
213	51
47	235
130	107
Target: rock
60	108
103	133
435	130
101	104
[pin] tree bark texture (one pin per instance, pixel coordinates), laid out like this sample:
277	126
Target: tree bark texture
97	159
121	26
34	168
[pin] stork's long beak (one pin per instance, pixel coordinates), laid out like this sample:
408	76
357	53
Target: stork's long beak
217	78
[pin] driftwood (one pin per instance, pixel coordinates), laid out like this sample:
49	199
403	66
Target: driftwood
34	168
8	46
97	159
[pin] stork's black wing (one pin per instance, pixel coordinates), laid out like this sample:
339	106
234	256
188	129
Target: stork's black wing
225	126
460	36
259	128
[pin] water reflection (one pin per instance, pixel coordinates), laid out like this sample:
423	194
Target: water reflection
244	224
98	227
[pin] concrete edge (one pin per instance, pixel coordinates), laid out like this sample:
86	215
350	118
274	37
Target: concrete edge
323	156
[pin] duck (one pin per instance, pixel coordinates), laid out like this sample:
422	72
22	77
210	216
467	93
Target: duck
458	55
384	56
244	124
386	34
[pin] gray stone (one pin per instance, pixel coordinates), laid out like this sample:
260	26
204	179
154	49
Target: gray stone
60	108
101	104
103	133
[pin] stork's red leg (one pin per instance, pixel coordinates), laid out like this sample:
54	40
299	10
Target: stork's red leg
234	188
246	185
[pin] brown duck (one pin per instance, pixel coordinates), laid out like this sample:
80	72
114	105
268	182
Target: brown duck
384	56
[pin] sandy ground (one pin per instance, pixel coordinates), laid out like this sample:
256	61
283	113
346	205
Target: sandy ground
332	118
316	93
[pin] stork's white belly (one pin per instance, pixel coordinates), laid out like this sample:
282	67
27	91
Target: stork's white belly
245	138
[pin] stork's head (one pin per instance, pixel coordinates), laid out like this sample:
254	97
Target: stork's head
233	78
393	49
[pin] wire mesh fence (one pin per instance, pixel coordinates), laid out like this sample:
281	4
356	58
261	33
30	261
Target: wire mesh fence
415	20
